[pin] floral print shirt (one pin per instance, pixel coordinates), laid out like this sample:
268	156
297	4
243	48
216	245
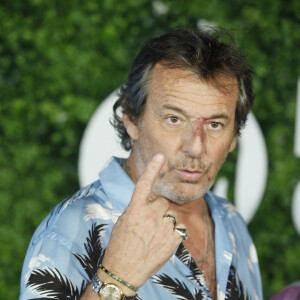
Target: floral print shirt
68	246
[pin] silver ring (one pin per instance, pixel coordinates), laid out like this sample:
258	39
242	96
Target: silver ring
183	232
170	217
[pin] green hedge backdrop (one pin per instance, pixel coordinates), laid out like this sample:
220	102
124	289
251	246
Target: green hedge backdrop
60	59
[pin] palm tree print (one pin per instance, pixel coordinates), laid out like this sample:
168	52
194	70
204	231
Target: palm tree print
196	275
234	289
177	288
95	252
51	284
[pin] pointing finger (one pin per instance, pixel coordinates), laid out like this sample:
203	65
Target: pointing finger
144	185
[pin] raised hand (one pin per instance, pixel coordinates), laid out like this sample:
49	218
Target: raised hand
142	239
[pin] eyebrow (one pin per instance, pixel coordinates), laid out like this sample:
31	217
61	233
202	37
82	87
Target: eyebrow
175	108
219	116
181	111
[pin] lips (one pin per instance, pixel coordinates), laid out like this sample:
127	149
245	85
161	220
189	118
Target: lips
192	175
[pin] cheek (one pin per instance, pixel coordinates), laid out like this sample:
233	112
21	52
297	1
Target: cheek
151	143
165	140
218	152
156	138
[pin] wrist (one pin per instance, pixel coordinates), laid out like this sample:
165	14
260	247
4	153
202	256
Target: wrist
103	277
123	282
110	289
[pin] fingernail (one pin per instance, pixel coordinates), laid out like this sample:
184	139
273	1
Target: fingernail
159	157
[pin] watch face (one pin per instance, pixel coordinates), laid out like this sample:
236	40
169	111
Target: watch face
110	292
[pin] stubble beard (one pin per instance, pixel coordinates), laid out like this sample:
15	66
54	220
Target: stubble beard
171	190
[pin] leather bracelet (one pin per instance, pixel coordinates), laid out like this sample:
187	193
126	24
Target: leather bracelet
117	278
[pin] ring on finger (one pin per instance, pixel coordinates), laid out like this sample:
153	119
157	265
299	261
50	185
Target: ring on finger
183	232
170	217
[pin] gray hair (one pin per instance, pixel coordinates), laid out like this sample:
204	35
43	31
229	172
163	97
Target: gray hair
202	52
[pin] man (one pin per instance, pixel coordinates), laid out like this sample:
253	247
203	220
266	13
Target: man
149	228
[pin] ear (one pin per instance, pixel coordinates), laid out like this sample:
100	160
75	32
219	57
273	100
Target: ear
233	144
131	127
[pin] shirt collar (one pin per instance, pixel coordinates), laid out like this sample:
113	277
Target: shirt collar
117	185
223	243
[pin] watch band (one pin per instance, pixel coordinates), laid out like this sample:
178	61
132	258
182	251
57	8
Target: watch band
129	298
97	284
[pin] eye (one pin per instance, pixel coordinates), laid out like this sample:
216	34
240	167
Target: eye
215	125
173	120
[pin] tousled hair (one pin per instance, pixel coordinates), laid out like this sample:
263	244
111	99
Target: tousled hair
210	54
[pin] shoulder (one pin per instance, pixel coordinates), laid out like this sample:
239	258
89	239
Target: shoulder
223	206
75	226
74	216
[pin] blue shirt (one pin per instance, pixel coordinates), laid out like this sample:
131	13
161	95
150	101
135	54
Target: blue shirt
67	248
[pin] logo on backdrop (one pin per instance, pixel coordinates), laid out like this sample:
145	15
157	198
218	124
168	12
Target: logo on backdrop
100	142
296	195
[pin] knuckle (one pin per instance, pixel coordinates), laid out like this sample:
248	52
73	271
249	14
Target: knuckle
159	204
164	203
152	198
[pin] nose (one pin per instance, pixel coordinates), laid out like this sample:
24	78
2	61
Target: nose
194	143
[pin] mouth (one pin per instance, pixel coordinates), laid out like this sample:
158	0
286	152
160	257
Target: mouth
192	175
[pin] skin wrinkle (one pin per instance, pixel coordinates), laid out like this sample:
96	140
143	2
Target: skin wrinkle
176	93
201	100
223	84
199	131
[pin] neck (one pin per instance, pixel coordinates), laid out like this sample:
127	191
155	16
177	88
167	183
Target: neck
130	168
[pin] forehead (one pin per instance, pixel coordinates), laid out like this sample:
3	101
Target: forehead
184	88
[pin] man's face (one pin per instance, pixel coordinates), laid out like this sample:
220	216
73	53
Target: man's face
192	123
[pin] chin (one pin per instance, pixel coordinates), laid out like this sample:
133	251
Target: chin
179	195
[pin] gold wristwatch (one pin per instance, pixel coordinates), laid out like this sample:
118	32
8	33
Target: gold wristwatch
108	291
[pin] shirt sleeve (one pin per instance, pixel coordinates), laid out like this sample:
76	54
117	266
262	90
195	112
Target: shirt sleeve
66	250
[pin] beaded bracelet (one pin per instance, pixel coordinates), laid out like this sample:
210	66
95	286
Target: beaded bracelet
117	278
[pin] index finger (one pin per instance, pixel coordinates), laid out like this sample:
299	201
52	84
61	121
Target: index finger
144	185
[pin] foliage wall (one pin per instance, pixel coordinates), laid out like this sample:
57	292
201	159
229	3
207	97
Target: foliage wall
59	59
